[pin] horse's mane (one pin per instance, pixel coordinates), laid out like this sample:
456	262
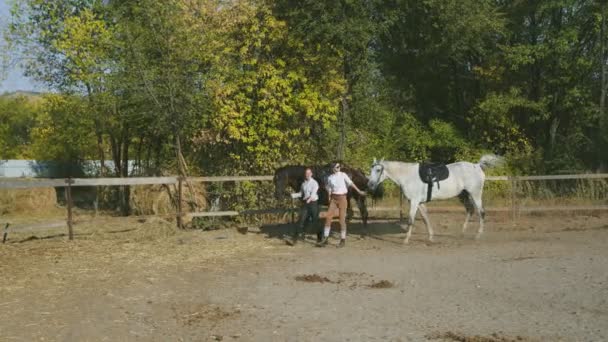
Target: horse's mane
291	166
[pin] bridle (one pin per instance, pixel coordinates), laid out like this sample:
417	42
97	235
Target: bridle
381	171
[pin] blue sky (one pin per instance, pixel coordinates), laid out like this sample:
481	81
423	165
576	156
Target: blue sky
15	79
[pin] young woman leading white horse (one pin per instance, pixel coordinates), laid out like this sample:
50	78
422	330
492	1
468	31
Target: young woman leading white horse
465	180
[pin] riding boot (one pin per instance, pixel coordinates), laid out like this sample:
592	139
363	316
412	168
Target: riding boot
323	242
298	235
319	236
292	241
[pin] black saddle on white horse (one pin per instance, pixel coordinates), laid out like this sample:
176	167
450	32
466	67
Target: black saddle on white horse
431	173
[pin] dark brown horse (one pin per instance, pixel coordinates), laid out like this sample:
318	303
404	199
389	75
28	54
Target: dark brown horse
293	175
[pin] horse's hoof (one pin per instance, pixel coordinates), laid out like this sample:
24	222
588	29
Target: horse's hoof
431	239
406	242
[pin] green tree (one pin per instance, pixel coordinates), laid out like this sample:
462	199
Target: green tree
63	132
18	115
540	83
346	32
269	94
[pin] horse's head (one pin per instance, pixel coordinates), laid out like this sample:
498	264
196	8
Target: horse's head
280	182
287	176
377	175
360	179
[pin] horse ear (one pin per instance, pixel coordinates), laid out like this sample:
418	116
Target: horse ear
382	159
375	161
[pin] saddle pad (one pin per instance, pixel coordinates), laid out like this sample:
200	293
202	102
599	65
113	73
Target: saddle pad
433	172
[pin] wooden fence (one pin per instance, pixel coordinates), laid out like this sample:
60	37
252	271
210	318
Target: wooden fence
69	183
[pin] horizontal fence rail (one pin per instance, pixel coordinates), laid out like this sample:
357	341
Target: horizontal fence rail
231	179
548	177
68	183
29	183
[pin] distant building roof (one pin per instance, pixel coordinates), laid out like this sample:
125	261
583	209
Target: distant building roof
51	169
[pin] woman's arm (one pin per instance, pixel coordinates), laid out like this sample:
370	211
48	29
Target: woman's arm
362	193
352	184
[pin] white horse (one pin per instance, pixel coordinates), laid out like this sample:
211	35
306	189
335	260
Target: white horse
465	181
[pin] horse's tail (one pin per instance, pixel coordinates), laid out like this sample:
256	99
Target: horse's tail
488	161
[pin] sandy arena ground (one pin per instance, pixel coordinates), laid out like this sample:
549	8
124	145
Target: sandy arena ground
545	279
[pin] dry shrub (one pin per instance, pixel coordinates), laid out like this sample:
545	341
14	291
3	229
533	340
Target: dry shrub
27	200
161	199
154	229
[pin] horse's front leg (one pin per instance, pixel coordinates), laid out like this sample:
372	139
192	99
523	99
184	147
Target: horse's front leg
364	215
363	209
410	220
349	208
427	222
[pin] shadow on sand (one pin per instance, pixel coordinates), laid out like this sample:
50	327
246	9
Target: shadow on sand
375	228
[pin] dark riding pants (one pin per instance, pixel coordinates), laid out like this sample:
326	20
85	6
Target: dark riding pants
308	210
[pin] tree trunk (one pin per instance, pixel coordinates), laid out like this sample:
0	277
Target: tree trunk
125	190
138	163
120	155
102	157
115	147
157	156
603	162
183	170
342	124
458	90
148	159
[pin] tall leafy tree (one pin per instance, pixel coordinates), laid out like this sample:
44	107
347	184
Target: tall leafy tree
17	119
540	83
346	31
269	94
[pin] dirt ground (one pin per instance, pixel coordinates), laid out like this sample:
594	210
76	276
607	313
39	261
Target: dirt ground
544	279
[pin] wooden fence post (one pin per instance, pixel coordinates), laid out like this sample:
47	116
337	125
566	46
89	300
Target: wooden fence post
179	203
513	198
293	212
5	232
68	200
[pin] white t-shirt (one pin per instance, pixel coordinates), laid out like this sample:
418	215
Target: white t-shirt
338	183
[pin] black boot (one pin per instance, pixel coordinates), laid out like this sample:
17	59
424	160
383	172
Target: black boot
323	242
291	241
342	243
319	236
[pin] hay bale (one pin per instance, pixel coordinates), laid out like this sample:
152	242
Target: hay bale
27	200
154	229
161	200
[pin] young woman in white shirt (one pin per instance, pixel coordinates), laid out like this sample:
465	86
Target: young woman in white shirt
337	188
